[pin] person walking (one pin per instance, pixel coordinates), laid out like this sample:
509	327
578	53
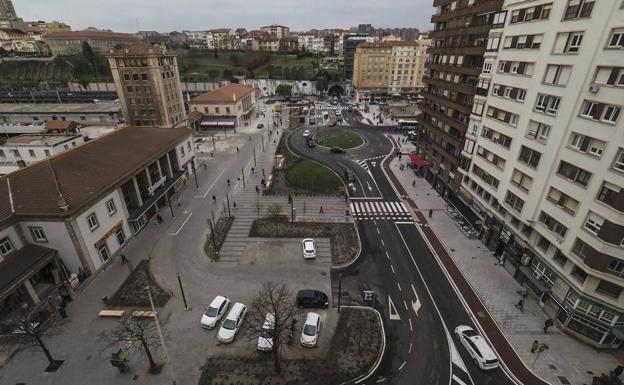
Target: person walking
520	305
237	150
124	259
547	324
234	204
257	190
534	346
228	183
430	213
253	170
321	210
159	218
214	199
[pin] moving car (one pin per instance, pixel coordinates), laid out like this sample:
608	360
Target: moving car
214	312
477	347
232	323
337	150
309	251
265	341
306	133
260	125
312	299
311	329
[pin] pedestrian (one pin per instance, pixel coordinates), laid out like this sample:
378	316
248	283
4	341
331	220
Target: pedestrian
548	323
253	171
262	182
257	190
290	198
430	213
534	346
520	305
62	312
124	259
228	183
214	199
159	218
321	210
263	173
414	183
237	150
234	204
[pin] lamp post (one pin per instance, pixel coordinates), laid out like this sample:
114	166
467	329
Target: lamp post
339	290
243	173
160	335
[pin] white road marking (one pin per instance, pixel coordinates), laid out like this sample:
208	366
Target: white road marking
416	304
410	348
373	164
182	225
405	303
399	286
377	228
369	186
382	243
410	323
403	205
392	311
402	365
211	186
392	268
456	379
387	255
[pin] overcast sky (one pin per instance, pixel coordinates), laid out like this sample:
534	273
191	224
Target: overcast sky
165	16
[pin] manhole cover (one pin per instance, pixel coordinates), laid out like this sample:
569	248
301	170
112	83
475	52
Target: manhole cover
563	380
480	314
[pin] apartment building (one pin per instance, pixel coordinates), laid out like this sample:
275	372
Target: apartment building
227	107
456	58
148	85
70	42
23	150
543	159
69	215
349	45
221	38
276	31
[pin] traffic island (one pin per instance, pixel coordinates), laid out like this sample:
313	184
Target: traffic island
215	238
343	236
354	351
132	292
339	138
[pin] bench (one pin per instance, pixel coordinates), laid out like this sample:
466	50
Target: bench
111	313
143	314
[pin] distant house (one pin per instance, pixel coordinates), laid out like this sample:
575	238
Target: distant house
227	107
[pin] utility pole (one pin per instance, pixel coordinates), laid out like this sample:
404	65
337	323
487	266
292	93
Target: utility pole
195	173
255	165
339	290
160	335
214	145
186	307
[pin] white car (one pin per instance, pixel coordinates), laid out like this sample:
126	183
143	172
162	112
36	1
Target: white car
232	323
311	329
265	341
477	347
309	251
214	312
306	133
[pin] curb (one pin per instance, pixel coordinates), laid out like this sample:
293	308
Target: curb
382	352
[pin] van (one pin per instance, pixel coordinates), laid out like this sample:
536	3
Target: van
312	298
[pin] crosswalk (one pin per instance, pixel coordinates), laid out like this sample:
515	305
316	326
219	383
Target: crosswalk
380	210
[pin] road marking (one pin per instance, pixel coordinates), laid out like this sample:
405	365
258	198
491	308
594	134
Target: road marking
416	304
392	268
382	243
369	186
399	286
410	348
377	228
393	313
456	379
211	186
182	225
405	303
410	323
387	255
402	365
373	164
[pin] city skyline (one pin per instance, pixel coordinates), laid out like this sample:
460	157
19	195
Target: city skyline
186	15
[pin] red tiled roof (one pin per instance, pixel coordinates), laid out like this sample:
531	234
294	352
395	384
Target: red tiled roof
90	35
220	30
194	116
61	124
84	173
225	94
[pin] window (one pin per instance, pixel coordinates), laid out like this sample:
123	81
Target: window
5	246
557	75
38	234
553	225
496	137
92	222
487	67
181	151
522	180
514	201
593	223
548	104
560	259
477	107
609	289
608	193
577	9
523	42
568	42
543	243
493	43
581	249
587	144
126	76
616	39
600	111
503	116
539	12
562	200
519	68
579	274
574	173
538	131
529	156
611	76
619	161
110	207
616	267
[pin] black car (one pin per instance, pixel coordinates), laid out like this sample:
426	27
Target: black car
260	126
312	298
337	150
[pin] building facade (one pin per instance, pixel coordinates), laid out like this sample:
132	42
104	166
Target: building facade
70	42
148	85
23	150
388	68
100	113
543	160
456	58
277	31
349	45
8	16
222	38
227	107
45	27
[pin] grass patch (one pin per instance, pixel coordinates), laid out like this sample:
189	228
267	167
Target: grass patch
222	227
308	175
343	139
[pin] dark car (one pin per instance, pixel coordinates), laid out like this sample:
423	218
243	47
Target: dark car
260	125
312	298
333	124
337	150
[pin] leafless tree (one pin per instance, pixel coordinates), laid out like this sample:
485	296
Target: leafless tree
25	329
275	213
136	333
276	299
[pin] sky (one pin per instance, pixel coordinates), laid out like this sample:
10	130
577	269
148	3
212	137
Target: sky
165	16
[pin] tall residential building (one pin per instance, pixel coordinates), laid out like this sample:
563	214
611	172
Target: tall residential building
384	68
277	31
543	160
455	60
148	86
350	42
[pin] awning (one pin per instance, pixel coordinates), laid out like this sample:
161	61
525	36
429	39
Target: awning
21	264
418	161
539	284
228	124
211	124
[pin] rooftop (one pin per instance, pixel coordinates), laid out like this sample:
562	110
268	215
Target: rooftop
59	108
226	94
84	173
220	30
90	35
39	140
390	44
140	50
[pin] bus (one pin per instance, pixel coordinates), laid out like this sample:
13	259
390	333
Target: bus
407	124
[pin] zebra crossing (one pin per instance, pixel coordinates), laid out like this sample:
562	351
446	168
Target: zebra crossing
380	210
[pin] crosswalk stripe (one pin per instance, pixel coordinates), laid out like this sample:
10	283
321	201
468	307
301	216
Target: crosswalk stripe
403	205
391	207
367	207
377	206
352	207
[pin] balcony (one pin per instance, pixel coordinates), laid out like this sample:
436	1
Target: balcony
457	124
454	141
448	102
156	192
461	31
462	87
465	50
462	69
489	5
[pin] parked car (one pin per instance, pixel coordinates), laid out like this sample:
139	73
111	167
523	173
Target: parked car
333	124
232	323
260	126
306	133
312	299
311	329
337	150
214	312
477	347
309	251
265	341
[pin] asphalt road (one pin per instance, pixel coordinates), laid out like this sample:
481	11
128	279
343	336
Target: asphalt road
420	307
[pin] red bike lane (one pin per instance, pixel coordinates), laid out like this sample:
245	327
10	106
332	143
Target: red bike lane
497	338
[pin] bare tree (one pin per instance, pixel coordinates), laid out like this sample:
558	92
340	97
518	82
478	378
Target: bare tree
136	333
272	298
25	329
275	213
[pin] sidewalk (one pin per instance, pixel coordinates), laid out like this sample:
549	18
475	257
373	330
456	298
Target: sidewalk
374	110
567	359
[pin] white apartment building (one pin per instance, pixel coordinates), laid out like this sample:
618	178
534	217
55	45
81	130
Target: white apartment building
23	150
543	160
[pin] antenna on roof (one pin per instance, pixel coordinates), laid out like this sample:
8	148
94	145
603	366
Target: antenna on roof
10	195
61	200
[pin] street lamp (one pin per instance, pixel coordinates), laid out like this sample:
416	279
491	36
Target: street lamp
160	335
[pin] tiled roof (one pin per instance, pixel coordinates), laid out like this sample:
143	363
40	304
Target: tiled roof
225	94
139	50
194	116
61	124
220	30
90	35
84	173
